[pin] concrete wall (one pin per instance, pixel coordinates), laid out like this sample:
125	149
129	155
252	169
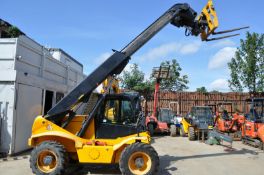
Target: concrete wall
63	57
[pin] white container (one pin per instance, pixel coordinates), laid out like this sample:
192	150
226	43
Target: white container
31	82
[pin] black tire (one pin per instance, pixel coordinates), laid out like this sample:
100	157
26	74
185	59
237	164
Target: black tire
134	149
54	150
151	129
191	133
173	130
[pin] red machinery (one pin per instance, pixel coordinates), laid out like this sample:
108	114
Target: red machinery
253	128
229	123
152	122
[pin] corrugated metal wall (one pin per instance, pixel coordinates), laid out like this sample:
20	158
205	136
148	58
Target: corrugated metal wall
188	99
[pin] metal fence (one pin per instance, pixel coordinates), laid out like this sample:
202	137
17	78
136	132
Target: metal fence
181	102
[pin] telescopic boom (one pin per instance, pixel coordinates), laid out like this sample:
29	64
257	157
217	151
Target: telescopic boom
179	15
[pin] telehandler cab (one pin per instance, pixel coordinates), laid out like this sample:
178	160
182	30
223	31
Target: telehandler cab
104	137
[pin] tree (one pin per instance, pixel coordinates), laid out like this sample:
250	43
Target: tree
13	32
247	67
201	89
134	80
177	82
134	77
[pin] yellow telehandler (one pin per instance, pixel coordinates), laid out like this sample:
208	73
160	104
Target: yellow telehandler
103	137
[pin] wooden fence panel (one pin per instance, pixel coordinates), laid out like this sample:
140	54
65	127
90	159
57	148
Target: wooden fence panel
188	99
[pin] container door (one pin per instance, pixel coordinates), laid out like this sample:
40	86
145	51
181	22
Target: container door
6	115
29	105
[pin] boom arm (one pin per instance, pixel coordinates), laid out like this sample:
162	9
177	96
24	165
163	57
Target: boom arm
180	15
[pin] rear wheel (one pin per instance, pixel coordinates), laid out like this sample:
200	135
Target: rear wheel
151	129
139	159
173	130
191	133
48	158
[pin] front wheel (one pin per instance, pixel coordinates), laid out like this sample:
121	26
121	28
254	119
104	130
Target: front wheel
191	133
49	158
151	129
139	159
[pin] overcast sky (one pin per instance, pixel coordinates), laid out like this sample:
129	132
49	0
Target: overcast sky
88	30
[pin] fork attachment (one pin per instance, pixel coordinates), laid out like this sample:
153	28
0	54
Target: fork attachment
225	31
209	21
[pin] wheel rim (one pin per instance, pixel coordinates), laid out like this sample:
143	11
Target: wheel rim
139	163
47	161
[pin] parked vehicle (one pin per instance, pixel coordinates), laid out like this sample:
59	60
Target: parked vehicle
253	128
157	121
229	122
109	134
197	122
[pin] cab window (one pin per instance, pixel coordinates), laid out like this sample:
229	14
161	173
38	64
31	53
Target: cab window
117	111
127	112
111	111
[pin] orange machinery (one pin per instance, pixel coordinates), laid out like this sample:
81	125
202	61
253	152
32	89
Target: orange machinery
253	128
229	122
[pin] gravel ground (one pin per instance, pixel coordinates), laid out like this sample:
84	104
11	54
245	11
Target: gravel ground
178	156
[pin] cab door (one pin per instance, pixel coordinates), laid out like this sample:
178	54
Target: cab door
115	118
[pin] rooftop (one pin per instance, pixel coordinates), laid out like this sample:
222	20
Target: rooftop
65	53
